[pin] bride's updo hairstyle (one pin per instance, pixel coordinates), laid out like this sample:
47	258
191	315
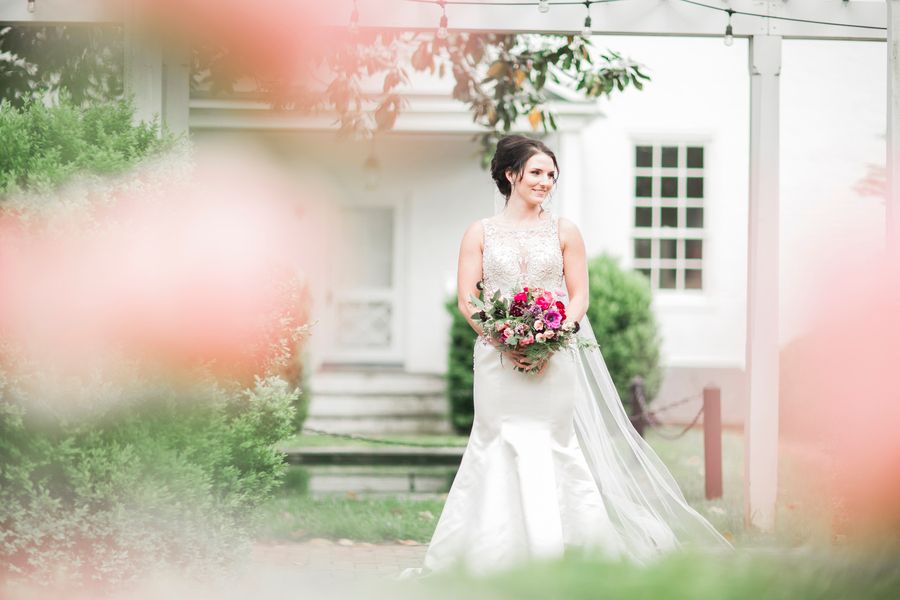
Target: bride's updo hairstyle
513	151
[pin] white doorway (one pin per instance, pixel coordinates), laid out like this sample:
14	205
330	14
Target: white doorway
365	298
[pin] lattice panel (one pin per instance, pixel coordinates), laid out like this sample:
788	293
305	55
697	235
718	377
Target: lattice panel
365	325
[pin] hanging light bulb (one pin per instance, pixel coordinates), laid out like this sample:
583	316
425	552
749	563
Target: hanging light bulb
442	31
729	38
31	6
543	5
354	20
371	172
586	30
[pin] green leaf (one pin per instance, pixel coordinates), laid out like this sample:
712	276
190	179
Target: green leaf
476	302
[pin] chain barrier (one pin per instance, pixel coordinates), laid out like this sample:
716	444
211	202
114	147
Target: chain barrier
649	416
360	438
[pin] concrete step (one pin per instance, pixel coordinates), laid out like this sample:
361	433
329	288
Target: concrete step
373	401
408	482
376	382
410	423
377	405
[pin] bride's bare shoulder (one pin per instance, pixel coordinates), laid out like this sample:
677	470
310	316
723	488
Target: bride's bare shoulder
568	231
474	233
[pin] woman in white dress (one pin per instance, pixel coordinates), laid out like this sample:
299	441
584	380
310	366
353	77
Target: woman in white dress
552	460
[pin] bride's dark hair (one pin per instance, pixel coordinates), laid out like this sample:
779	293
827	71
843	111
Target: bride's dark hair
513	151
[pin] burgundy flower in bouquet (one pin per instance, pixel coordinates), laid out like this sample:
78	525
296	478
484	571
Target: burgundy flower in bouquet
532	321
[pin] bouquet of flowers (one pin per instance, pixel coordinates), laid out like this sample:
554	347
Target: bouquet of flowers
532	321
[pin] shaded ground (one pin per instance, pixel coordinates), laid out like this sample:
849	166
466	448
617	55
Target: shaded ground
340	559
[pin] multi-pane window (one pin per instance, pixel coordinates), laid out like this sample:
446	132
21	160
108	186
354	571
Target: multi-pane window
668	215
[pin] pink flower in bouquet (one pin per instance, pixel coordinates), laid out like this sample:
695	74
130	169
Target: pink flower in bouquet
527	340
540	337
554	319
499	326
559	292
550	334
543	302
521	296
520	329
538	325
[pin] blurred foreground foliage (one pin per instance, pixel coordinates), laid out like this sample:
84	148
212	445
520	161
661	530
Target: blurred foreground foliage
165	481
774	575
105	479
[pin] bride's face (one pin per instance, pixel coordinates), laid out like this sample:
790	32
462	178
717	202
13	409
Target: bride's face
537	180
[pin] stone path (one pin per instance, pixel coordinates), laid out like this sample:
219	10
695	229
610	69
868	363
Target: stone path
343	559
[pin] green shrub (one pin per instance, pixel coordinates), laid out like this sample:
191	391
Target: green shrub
171	476
460	376
622	318
166	480
43	146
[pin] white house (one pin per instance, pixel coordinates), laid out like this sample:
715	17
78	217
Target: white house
658	178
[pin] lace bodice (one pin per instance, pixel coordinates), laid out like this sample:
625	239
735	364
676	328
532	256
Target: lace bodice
513	258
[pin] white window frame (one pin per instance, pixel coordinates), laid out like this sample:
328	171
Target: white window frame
681	202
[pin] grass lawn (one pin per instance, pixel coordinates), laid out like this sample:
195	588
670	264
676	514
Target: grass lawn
679	576
294	515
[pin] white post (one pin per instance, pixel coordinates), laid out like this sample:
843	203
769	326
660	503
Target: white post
761	424
569	198
143	75
892	199
176	75
159	81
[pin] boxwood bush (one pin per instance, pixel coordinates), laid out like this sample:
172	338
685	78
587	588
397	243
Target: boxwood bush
621	315
460	376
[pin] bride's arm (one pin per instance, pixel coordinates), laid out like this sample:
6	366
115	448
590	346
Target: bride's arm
574	269
468	272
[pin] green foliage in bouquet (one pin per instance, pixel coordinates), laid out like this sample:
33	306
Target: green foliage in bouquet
166	480
622	318
460	377
509	321
43	146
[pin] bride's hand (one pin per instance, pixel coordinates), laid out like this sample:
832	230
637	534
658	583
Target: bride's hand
518	358
538	366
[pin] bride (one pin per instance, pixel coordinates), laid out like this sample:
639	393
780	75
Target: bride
552	461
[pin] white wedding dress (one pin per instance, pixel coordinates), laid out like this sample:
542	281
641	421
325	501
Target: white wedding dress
550	463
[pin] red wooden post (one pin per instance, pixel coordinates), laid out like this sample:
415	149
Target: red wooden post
712	440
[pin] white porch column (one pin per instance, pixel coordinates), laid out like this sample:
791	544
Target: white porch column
143	75
159	80
569	196
176	75
892	201
761	424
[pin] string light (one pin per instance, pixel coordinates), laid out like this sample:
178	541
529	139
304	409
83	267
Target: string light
442	31
729	38
31	6
354	19
543	6
586	30
567	2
